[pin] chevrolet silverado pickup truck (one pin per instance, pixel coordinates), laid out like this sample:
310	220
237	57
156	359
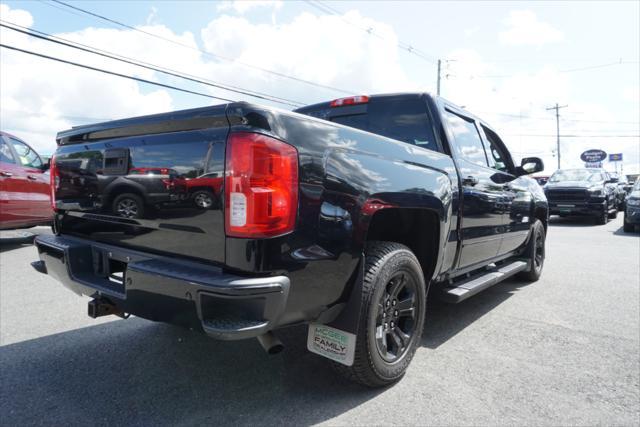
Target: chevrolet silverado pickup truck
343	215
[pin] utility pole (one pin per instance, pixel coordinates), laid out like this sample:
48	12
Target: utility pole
439	62
557	108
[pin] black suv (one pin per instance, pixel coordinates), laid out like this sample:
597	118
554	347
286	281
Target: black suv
588	192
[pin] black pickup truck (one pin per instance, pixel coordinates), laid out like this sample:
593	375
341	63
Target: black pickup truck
343	216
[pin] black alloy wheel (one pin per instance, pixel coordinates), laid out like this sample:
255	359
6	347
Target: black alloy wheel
535	252
395	320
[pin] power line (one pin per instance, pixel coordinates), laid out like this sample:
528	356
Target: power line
113	73
402	45
570	70
48	37
213	55
525	116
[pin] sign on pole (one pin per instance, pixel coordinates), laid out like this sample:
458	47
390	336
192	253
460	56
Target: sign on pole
615	157
593	156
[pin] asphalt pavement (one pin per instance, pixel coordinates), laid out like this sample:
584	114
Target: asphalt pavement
562	351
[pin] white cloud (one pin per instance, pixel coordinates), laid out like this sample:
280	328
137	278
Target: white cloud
17	16
309	47
153	15
243	6
524	28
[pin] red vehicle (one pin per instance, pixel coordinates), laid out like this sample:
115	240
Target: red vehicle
205	189
25	195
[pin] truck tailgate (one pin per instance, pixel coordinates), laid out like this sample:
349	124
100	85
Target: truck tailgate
152	183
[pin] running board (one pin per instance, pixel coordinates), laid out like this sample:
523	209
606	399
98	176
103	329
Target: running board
474	285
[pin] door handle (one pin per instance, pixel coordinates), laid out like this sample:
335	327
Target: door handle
32	177
470	180
5	173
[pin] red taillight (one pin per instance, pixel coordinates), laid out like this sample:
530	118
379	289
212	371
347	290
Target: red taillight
54	180
261	186
351	100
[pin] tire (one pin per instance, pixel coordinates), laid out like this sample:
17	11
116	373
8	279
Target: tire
128	205
392	278
203	199
535	253
628	228
615	213
603	217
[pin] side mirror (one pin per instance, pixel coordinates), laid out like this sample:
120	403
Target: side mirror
530	165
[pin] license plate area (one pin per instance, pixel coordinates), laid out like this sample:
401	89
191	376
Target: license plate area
99	269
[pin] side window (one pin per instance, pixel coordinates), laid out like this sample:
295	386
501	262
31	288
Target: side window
5	152
27	156
497	160
468	144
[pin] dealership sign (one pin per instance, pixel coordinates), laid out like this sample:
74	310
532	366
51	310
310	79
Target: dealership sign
593	156
617	157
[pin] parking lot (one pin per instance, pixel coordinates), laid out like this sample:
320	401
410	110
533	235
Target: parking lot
564	350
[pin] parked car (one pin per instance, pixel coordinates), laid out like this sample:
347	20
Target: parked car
344	215
25	193
582	192
632	209
622	188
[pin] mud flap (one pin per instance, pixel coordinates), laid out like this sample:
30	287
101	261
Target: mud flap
337	339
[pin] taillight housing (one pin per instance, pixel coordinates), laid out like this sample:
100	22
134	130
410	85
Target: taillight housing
351	100
261	186
54	180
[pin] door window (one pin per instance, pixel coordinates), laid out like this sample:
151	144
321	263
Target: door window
468	144
6	155
497	160
27	156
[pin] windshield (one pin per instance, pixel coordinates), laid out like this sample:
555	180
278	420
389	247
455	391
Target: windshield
636	186
575	175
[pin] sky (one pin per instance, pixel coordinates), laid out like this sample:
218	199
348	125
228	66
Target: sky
506	61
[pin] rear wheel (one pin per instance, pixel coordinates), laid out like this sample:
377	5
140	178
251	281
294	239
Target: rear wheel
535	252
128	205
392	315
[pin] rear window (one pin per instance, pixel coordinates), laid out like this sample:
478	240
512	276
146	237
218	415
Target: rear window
405	120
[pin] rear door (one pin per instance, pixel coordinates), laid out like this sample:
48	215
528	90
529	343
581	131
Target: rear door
35	181
482	198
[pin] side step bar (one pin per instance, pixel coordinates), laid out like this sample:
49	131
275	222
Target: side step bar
474	285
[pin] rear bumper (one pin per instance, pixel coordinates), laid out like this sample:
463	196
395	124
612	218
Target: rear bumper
577	208
186	293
